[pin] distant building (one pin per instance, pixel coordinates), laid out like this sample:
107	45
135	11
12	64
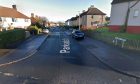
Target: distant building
33	20
11	17
52	24
67	23
90	19
119	13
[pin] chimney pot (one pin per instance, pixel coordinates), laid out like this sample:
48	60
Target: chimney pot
83	11
92	6
14	7
32	14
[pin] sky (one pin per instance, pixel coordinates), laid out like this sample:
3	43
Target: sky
57	10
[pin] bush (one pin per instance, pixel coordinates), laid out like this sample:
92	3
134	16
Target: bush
11	36
34	30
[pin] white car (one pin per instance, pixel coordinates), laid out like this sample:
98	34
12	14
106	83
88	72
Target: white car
46	31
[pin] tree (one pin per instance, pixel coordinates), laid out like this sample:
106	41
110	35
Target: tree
107	18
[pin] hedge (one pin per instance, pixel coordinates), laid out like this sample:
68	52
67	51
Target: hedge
34	30
11	36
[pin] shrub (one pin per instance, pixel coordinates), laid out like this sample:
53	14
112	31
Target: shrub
34	30
11	36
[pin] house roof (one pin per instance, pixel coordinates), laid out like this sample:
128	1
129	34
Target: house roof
121	1
67	20
73	18
93	11
9	12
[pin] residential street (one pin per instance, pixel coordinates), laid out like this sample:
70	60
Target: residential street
49	65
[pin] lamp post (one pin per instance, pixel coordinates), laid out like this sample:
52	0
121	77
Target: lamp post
79	19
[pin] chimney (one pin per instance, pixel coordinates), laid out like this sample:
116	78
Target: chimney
14	7
32	14
83	11
92	6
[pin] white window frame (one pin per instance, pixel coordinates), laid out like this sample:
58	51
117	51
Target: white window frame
26	20
14	19
136	13
92	16
1	19
4	19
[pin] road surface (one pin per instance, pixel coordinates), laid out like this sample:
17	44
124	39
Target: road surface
52	65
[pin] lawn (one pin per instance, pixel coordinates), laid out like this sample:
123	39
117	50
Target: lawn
105	32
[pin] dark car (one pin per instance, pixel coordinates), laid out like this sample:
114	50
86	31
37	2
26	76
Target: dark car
77	34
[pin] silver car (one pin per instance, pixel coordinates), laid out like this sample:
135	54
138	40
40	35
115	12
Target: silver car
46	31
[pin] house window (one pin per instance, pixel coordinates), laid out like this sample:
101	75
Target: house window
26	20
136	13
0	19
14	20
4	19
92	23
92	16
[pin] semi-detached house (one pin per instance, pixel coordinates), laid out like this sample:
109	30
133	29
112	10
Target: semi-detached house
119	13
89	19
10	16
92	18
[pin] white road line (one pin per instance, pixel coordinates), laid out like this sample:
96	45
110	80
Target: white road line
15	61
8	74
35	78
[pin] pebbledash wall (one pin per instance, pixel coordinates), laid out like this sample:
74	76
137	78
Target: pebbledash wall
118	15
87	22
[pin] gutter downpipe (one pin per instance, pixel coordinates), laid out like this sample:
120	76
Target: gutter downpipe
128	13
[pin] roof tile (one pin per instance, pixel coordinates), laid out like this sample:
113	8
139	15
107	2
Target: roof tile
9	12
93	11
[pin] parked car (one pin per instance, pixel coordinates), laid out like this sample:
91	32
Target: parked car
77	34
46	31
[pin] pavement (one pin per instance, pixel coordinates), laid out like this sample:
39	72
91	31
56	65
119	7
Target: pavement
121	60
28	47
5	51
49	66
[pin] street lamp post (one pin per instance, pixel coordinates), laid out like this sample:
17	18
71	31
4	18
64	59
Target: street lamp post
79	20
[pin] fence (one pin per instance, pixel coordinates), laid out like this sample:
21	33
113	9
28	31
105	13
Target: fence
124	43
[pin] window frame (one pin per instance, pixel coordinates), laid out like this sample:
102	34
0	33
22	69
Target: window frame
0	19
136	13
26	20
14	19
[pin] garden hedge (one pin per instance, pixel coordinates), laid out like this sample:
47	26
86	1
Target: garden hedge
11	36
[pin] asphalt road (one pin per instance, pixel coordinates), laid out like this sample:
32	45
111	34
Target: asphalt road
49	66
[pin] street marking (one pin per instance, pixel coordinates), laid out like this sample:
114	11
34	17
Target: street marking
120	80
66	46
35	78
15	61
8	74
